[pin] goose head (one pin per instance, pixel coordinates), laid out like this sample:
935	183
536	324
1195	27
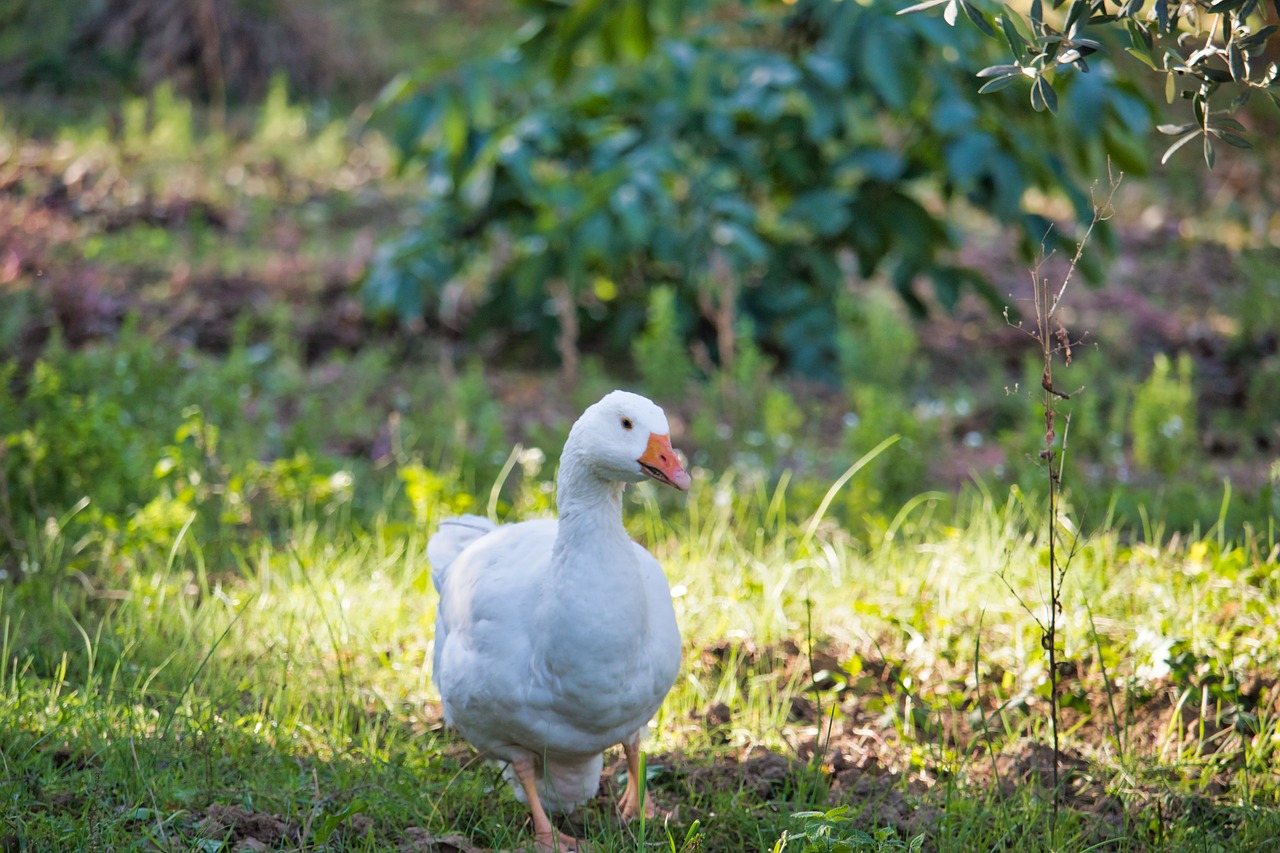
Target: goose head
625	438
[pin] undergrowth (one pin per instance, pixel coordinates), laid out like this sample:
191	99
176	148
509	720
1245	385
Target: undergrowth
284	671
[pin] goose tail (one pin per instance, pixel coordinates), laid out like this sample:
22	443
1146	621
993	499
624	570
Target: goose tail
452	538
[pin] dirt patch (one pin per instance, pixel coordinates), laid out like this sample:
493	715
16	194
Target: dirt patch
46	217
244	829
418	840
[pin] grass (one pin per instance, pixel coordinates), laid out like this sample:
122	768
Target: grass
288	677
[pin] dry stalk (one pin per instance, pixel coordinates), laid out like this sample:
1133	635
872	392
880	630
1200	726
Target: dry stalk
719	304
567	339
1055	345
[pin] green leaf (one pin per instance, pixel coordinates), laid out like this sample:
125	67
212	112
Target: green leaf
1017	44
825	212
1140	36
1252	41
999	83
1075	13
1236	62
742	240
477	186
1234	139
1175	146
886	65
332	822
634	34
1142	56
977	18
968	159
454	126
626	203
396	91
1043	97
826	69
1026	30
1000	70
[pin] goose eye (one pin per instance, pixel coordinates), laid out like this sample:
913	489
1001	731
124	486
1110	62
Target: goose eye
626	423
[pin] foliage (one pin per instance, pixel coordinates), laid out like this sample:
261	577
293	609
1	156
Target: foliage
875	344
659	352
1164	416
1208	51
830	832
766	159
123	447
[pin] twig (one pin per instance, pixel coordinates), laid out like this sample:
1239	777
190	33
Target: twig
567	338
1055	344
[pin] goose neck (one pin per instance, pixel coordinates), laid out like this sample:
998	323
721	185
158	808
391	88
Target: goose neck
590	506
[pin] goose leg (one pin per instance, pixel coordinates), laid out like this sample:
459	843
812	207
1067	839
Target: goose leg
546	838
629	805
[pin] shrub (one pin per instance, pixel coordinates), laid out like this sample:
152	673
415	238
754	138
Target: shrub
793	149
660	352
1163	422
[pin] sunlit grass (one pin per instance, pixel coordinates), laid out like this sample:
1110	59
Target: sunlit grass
290	675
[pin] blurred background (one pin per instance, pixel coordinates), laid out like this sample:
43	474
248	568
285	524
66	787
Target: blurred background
355	236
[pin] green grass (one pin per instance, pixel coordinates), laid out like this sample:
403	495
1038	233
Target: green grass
288	676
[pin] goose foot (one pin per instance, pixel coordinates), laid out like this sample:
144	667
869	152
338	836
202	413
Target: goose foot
629	805
546	838
554	841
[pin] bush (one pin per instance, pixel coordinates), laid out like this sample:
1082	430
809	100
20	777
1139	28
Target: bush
788	151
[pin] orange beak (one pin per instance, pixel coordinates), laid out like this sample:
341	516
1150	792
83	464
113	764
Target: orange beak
659	462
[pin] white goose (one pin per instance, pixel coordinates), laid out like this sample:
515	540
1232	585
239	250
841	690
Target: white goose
556	640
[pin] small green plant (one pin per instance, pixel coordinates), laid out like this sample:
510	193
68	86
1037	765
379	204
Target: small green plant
661	351
1163	422
832	832
1261	402
1258	307
877	411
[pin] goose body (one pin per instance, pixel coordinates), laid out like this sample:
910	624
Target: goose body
556	639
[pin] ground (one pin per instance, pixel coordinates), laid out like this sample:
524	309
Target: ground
92	238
